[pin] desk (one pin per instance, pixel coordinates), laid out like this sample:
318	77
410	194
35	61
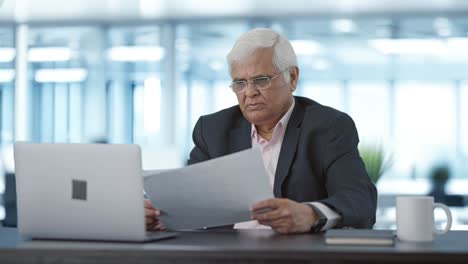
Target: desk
247	246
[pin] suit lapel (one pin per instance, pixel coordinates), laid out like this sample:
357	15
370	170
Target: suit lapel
240	138
288	148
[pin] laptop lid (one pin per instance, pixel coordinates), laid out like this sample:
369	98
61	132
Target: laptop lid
80	191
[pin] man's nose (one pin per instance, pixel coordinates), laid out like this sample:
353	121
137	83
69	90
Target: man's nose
250	89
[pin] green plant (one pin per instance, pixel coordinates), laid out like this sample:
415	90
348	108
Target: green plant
375	160
440	174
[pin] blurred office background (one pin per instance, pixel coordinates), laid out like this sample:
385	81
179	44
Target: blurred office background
143	71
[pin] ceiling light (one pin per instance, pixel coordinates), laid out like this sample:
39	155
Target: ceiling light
136	53
61	75
49	54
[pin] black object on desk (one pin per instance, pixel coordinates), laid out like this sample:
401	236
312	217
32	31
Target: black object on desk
9	199
359	237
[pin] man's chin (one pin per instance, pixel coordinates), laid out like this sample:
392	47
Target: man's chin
256	117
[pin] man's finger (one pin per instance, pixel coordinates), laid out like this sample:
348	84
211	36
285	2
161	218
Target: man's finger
272	215
152	223
148	204
151	228
150	213
160	226
269	203
156	226
274	222
150	220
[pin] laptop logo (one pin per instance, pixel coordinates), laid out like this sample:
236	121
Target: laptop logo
79	190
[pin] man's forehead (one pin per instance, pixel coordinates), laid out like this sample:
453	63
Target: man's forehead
252	71
252	68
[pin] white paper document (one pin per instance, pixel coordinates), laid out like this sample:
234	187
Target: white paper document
211	193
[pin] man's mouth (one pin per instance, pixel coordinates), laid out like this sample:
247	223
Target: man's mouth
255	106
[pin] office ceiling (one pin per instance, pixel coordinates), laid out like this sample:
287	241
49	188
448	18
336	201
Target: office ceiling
117	10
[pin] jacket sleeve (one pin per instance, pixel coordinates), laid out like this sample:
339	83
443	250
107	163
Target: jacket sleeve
350	190
199	152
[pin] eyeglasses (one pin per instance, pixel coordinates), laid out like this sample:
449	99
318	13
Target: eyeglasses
260	83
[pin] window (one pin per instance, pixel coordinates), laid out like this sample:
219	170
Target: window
425	124
149	83
135	110
224	97
60	62
326	93
202	72
147	111
201	101
369	107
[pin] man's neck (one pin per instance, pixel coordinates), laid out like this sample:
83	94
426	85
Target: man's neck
265	132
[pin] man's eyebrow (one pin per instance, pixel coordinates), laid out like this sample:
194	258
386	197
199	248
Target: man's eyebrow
254	77
260	76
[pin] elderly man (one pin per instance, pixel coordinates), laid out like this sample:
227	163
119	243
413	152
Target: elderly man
309	150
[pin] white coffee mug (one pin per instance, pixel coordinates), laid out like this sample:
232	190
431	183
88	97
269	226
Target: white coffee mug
415	218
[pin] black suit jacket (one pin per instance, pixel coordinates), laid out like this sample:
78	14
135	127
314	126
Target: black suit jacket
319	159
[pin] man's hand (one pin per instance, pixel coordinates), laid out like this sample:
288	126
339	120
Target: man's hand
284	215
152	217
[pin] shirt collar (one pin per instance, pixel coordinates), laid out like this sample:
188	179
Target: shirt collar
283	122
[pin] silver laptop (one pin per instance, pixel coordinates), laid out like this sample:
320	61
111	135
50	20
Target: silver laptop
81	192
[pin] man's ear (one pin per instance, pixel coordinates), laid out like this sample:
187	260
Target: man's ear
294	77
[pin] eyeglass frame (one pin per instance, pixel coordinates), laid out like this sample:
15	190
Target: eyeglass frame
243	89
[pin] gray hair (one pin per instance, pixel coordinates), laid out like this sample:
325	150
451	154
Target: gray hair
283	53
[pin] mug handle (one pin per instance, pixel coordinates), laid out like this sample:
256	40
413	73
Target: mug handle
449	219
